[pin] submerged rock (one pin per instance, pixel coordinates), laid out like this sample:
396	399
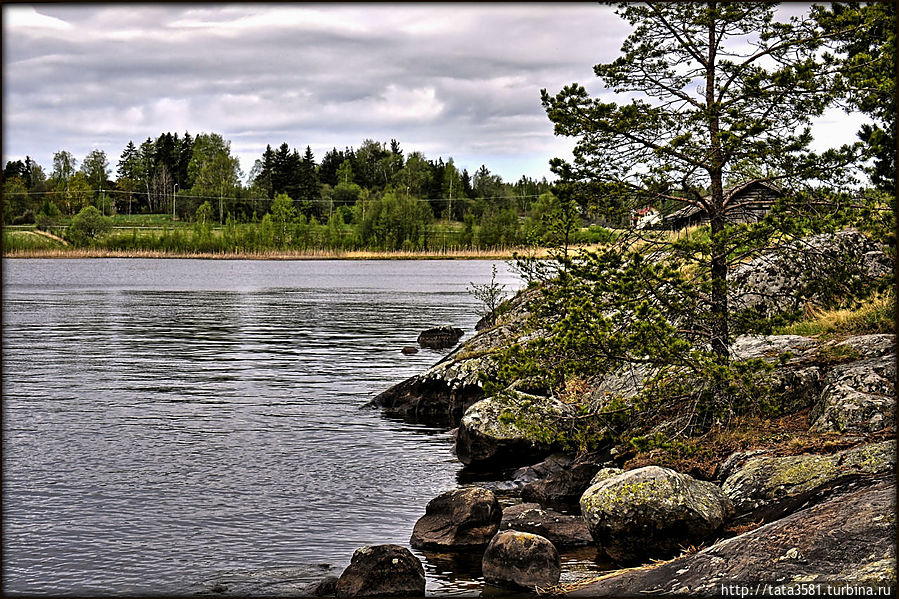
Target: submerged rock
382	571
768	487
562	530
458	519
522	560
509	429
652	512
440	337
851	538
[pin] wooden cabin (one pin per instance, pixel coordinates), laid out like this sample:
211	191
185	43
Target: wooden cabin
747	202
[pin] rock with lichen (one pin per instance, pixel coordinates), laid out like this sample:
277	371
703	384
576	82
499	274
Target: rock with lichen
511	429
768	487
848	539
652	512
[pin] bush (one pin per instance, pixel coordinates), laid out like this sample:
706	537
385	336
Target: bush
88	225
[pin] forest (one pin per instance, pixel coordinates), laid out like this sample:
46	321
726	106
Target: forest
186	193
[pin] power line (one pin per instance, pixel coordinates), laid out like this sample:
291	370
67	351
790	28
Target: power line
165	195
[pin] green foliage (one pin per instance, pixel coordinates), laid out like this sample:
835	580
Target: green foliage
394	221
863	37
88	225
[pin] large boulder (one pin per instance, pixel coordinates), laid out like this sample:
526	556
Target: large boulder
858	397
382	571
510	429
440	337
652	512
458	519
768	487
562	530
521	560
850	538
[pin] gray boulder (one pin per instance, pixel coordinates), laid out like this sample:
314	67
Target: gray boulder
562	530
521	560
858	397
382	571
652	512
458	519
510	429
768	487
783	279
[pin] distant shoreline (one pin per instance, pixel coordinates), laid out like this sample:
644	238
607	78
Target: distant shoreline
505	254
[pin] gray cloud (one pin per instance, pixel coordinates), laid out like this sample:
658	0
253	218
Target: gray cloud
456	81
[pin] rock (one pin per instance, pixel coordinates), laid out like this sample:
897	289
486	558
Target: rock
509	429
560	529
384	571
784	279
605	473
767	487
439	396
553	464
326	587
850	538
858	397
563	487
458	519
652	512
440	337
409	350
522	560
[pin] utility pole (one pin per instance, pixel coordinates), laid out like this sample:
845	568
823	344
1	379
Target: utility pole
174	191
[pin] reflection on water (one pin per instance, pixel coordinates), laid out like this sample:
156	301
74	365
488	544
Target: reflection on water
174	426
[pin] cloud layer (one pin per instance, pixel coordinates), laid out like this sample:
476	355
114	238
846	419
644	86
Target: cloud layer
457	81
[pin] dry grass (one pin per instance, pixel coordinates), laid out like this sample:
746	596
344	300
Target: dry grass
874	316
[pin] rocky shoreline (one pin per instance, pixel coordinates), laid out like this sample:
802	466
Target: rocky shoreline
815	504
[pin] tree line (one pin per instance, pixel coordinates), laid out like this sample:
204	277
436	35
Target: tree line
388	197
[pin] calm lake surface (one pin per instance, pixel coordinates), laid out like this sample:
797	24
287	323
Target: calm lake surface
190	426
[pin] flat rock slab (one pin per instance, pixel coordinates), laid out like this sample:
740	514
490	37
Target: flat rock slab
768	487
562	530
850	538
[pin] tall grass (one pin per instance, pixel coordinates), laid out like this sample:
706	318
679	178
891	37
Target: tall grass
877	315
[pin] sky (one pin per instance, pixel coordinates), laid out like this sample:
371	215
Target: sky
457	81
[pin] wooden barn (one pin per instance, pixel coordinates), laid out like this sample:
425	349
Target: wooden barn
747	202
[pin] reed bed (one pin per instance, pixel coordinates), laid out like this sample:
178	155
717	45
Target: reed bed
308	254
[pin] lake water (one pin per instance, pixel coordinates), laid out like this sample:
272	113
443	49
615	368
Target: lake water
184	426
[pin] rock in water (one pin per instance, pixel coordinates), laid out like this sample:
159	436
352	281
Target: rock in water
652	512
559	529
409	350
458	519
382	571
440	337
521	559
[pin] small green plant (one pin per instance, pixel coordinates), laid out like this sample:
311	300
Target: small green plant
491	295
